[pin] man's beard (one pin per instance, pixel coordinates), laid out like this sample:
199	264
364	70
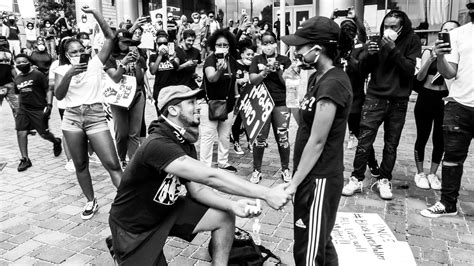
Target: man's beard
188	122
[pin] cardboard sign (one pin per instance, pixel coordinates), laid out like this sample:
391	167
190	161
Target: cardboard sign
255	106
365	239
27	8
121	93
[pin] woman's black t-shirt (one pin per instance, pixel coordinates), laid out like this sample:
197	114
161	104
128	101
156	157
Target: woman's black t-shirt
225	86
114	61
274	85
335	86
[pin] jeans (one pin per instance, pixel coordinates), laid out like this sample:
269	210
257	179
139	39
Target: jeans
458	131
280	120
354	128
128	123
88	118
375	111
209	131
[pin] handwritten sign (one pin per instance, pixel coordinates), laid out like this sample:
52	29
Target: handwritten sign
255	107
365	239
121	93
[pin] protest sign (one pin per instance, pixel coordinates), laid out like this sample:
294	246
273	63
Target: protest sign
148	37
255	106
365	239
121	93
27	8
153	14
6	5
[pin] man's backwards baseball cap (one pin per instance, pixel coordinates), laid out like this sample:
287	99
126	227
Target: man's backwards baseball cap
314	30
170	94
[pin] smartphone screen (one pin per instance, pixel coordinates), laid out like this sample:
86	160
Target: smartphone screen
374	38
84	58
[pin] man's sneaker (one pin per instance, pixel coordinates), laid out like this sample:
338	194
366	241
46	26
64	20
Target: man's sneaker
123	164
286	175
256	177
384	186
352	142
25	163
94	159
57	148
70	166
353	186
421	181
435	183
229	168
374	171
238	149
89	210
438	210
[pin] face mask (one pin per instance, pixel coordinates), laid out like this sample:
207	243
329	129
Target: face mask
48	25
86	42
269	49
302	64
222	50
24	68
246	62
74	59
190	134
391	34
41	47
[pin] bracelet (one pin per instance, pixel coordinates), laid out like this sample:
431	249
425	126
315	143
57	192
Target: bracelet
237	96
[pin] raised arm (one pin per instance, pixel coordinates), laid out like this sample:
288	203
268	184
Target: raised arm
108	34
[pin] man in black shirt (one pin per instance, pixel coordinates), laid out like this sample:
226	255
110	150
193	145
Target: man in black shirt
6	77
35	99
188	58
150	204
14	37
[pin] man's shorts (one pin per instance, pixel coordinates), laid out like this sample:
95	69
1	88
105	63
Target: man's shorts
88	118
31	119
181	223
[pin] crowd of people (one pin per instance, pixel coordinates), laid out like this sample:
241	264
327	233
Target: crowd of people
150	163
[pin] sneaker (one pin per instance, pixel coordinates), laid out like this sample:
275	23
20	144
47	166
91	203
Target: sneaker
25	163
435	183
89	210
352	142
123	164
285	174
437	210
229	168
70	166
256	177
384	187
353	186
421	181
238	149
374	171
94	159
57	148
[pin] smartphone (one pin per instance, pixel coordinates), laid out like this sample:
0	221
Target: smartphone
84	58
220	57
148	19
444	36
374	38
341	13
171	48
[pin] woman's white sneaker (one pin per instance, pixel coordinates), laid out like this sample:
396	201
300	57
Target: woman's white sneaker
421	181
435	183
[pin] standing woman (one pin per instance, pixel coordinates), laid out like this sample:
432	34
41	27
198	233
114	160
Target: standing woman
128	121
40	57
80	85
219	83
49	33
268	68
429	113
319	147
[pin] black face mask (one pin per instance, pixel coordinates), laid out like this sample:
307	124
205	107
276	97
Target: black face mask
24	68
11	21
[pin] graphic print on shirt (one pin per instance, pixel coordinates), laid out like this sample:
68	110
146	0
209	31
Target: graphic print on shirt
166	65
307	104
169	190
25	86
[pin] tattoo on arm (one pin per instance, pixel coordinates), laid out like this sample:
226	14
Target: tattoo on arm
324	103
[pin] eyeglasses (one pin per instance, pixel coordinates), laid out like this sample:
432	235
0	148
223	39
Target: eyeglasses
470	6
222	45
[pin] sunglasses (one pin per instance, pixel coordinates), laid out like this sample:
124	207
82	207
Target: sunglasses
470	6
211	16
161	43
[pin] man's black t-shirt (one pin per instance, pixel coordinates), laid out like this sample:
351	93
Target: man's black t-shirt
172	30
14	32
186	75
165	75
130	68
147	193
335	86
274	85
32	88
6	65
225	85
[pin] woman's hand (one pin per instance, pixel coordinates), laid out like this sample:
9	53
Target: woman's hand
77	69
221	65
87	10
441	48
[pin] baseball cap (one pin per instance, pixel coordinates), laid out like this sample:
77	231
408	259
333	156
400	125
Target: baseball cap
171	93
126	36
315	29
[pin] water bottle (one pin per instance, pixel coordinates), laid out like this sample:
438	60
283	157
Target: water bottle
256	232
292	82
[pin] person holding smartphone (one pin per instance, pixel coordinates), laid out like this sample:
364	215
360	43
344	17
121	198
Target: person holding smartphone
80	85
126	60
268	68
188	58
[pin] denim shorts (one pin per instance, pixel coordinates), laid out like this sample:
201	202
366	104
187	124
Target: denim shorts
88	118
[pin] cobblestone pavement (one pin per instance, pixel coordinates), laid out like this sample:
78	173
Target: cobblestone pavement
40	208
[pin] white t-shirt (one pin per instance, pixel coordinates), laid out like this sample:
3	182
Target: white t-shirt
84	88
462	54
30	34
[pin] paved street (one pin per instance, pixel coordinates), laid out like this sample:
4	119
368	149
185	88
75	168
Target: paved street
40	208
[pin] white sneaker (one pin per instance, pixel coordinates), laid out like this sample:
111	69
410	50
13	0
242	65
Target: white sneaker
353	186
256	177
94	159
435	183
238	149
286	175
385	188
70	166
89	209
421	181
352	142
